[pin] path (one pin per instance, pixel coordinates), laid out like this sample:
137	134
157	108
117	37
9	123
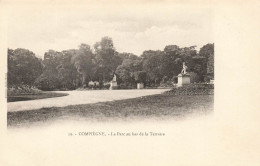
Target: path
81	97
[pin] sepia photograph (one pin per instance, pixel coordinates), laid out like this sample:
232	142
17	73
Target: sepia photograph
107	65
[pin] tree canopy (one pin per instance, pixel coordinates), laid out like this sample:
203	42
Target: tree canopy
73	68
23	67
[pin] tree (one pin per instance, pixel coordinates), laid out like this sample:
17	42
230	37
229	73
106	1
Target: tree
106	58
207	50
67	68
140	76
84	63
171	61
172	50
127	69
125	55
152	65
187	55
23	67
49	79
12	78
176	55
210	65
67	72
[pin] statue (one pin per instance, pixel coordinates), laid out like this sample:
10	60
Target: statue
184	68
113	83
183	77
114	78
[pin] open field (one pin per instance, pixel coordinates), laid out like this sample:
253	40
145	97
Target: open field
160	106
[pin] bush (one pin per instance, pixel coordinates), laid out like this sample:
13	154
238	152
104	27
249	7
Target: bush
45	82
194	77
175	79
193	89
166	84
127	86
106	86
24	89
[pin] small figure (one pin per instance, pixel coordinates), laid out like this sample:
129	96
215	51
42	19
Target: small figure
184	68
114	78
113	83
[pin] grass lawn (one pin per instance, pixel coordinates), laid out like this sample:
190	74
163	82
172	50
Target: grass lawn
42	95
155	106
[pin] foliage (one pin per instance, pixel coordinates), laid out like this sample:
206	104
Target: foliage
106	58
140	76
67	72
128	68
47	81
23	67
74	68
207	50
83	60
194	78
210	65
152	64
24	89
193	89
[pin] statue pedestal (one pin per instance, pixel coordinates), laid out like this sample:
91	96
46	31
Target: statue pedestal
140	86
183	79
113	85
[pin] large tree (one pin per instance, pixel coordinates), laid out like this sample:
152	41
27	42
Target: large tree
140	77
207	50
127	69
171	61
49	79
152	65
107	59
67	72
84	63
23	67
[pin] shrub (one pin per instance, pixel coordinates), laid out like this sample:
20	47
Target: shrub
47	83
126	86
193	89
166	84
23	89
106	86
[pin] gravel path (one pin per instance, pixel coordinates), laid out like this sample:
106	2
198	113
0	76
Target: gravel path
81	97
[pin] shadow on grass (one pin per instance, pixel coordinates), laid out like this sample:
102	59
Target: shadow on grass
42	95
154	106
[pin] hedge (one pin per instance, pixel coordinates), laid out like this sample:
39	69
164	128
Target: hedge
193	89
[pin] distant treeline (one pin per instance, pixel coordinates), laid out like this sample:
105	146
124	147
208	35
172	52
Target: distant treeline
74	68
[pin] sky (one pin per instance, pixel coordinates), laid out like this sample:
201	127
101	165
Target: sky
133	28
